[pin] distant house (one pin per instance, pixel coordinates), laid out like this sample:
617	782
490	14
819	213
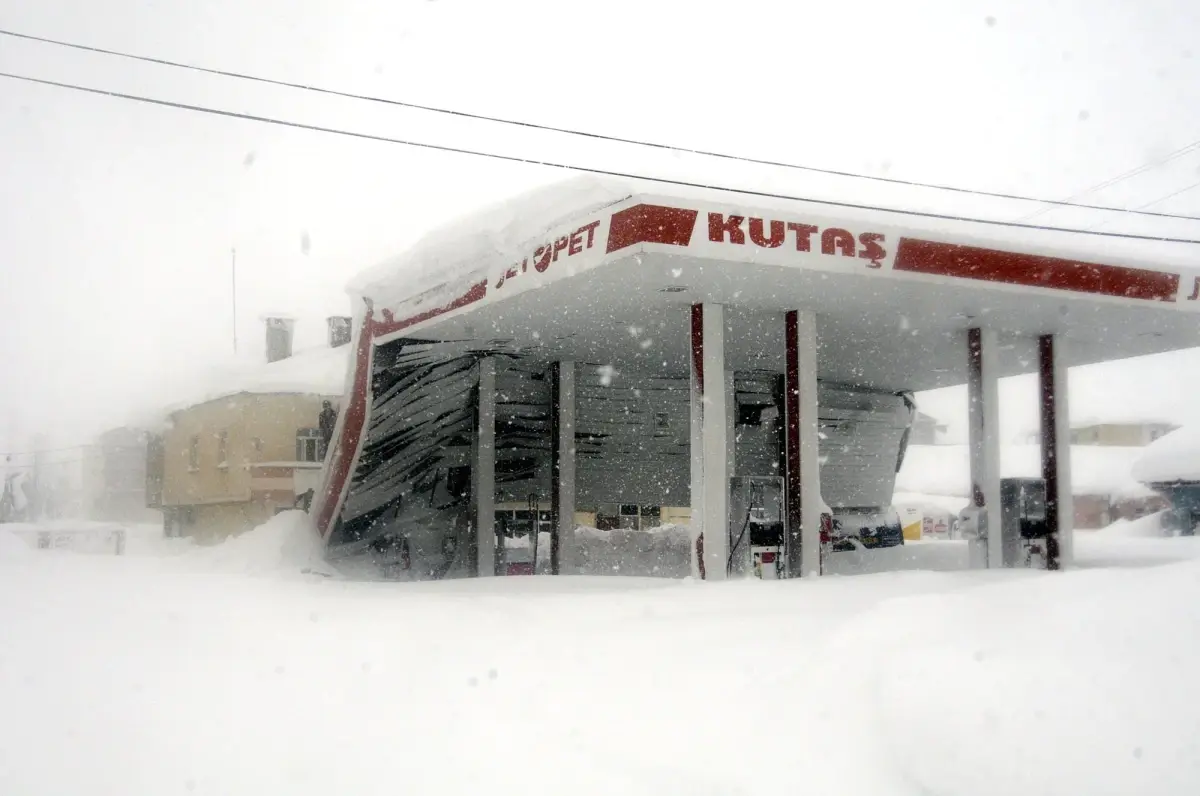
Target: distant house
1101	476
116	477
1112	433
251	448
1129	435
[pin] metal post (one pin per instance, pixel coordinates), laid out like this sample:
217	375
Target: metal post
562	399
696	439
802	446
716	470
731	422
233	292
983	395
484	472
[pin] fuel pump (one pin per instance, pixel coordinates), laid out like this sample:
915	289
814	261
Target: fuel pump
756	523
973	528
1027	540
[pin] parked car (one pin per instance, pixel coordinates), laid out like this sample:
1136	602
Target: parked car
868	527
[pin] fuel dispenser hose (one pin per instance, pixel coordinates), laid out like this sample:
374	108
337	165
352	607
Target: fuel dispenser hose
733	548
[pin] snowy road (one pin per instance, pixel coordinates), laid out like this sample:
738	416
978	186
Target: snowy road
229	672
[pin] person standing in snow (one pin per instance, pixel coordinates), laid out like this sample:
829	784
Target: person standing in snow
325	423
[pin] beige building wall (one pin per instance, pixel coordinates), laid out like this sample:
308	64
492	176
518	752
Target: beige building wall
224	497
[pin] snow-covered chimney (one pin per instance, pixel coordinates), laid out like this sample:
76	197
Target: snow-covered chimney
279	337
339	330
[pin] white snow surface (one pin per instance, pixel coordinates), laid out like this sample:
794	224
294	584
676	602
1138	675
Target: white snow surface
226	670
1170	458
1095	469
1148	527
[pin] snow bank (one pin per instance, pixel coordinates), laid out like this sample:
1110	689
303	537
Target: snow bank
1171	458
896	684
1081	684
1146	527
13	547
286	543
1095	469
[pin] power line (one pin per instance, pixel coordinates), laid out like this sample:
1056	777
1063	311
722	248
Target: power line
1161	199
583	169
583	133
1178	153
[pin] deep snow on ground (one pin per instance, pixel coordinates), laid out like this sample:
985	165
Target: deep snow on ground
227	670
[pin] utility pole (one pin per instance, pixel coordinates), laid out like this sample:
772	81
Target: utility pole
233	293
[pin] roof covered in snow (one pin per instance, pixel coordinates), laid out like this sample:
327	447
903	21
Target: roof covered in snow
314	371
1172	458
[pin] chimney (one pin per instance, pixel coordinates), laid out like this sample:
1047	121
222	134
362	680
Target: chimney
339	330
279	337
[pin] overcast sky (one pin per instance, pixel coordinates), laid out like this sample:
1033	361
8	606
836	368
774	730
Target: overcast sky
118	219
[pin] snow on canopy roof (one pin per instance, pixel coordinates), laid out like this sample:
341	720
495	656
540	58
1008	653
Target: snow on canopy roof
1171	458
445	257
450	252
1095	470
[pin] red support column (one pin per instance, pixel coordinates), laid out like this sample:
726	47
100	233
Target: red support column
1056	452
802	474
791	443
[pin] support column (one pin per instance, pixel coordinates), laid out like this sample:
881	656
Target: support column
730	423
802	473
562	474
983	396
1056	452
710	472
483	472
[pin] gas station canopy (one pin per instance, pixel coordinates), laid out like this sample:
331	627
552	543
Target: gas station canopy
612	281
561	285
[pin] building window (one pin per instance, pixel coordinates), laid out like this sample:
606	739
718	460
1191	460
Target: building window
223	449
308	445
194	452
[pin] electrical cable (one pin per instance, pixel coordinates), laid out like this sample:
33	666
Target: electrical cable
586	169
1178	153
1191	187
581	133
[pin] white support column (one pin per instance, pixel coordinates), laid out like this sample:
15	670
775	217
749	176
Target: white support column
801	443
730	423
1056	448
716	469
983	395
696	439
564	469
484	472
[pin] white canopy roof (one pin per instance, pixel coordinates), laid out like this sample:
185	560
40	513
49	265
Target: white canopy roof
603	273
